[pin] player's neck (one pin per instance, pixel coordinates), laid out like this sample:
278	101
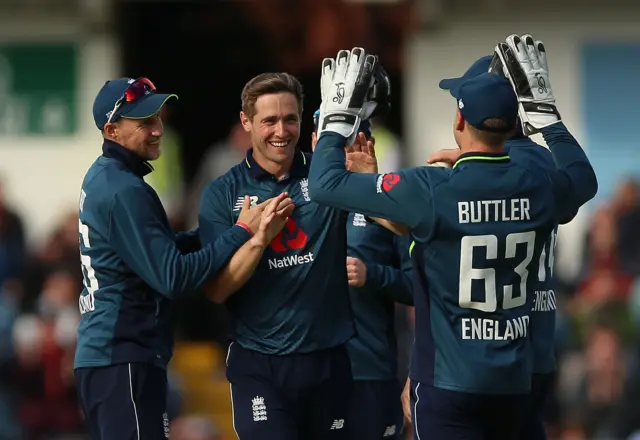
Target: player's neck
473	146
280	170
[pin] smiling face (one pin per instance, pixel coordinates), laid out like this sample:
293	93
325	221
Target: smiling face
271	114
274	129
142	136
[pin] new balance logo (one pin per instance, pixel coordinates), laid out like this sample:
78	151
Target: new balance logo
389	431
359	220
240	202
337	424
259	409
293	260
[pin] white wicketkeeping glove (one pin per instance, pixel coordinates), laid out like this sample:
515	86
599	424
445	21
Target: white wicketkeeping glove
524	63
344	87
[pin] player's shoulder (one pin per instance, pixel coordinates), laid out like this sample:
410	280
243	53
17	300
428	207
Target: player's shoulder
226	187
527	152
236	175
433	174
107	178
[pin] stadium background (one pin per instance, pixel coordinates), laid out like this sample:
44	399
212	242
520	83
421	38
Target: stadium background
55	55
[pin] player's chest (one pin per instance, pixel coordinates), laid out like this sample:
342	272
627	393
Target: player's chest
306	211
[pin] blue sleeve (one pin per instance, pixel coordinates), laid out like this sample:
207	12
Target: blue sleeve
402	196
574	181
393	281
188	242
214	214
147	245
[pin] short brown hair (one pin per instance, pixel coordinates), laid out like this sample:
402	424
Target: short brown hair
493	139
268	83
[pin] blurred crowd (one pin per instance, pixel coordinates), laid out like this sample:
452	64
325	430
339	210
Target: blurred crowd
598	385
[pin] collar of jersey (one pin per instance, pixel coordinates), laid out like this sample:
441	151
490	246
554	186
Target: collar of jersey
501	157
299	166
131	160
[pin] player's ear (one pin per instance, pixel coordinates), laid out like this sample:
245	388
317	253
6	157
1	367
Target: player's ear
245	121
314	140
458	125
109	130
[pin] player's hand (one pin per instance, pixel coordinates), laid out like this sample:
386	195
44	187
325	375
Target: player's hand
273	218
405	397
445	157
356	272
252	216
361	155
523	61
345	84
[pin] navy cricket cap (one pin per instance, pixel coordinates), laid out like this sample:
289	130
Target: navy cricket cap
478	68
487	96
143	107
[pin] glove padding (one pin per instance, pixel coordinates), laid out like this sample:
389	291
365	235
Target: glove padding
378	99
523	62
344	86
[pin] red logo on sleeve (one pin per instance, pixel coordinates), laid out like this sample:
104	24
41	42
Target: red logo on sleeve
389	181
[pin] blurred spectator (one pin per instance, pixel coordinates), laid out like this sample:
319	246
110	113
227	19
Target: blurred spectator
388	147
12	241
41	380
626	208
60	250
600	385
217	160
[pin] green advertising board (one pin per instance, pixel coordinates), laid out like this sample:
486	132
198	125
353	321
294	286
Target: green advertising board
38	89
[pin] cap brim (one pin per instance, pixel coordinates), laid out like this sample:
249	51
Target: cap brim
453	85
449	83
147	106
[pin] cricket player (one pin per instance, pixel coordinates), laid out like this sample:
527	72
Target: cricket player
134	265
479	228
289	306
523	149
379	272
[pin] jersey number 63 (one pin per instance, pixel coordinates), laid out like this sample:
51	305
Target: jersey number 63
490	242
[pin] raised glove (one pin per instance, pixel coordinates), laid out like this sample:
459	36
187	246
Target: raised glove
523	62
344	86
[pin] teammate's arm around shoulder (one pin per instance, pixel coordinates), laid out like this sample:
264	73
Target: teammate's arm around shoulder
140	237
574	181
402	196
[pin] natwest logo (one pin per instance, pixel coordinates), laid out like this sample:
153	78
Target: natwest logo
290	261
291	238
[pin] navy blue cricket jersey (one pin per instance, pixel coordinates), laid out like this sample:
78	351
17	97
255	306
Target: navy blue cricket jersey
297	300
522	150
134	264
374	352
479	229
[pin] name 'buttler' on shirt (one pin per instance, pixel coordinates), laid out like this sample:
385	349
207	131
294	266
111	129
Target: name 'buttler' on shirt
478	211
